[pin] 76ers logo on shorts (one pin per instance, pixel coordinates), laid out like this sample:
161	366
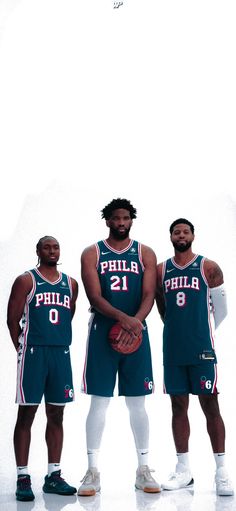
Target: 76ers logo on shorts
69	392
205	384
148	384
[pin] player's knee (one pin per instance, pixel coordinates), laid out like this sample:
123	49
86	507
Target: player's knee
210	406
26	416
54	415
179	406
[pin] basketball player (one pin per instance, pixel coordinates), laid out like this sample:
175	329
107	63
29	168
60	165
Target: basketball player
40	310
118	274
191	301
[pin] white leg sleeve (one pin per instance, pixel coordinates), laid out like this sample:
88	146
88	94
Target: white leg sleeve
96	421
139	421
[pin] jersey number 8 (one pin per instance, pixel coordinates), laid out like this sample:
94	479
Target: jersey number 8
181	299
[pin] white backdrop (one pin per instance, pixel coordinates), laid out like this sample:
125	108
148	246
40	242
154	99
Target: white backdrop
97	103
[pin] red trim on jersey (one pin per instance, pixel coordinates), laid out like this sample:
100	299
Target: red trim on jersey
98	254
84	383
163	270
214	388
70	286
140	255
20	397
203	272
186	265
49	281
118	251
32	292
164	388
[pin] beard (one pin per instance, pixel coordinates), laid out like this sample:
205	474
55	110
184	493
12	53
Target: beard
52	263
181	247
119	235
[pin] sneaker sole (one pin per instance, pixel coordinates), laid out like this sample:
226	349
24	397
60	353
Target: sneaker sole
59	492
88	493
226	494
149	490
25	499
189	485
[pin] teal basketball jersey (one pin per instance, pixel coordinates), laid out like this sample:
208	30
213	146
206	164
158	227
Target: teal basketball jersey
188	334
121	275
47	317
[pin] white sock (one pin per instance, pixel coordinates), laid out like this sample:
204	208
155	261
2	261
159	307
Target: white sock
182	461
22	471
219	459
140	427
95	424
52	467
142	456
92	458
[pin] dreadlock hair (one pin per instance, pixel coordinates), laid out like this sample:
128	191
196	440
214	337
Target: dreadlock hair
181	221
118	204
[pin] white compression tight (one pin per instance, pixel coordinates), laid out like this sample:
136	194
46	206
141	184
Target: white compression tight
96	422
139	421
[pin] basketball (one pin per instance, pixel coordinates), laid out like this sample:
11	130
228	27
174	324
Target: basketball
126	349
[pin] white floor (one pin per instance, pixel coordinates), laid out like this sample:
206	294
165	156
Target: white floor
125	498
117	461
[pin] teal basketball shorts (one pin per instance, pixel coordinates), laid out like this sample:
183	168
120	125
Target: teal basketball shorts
44	371
191	379
103	364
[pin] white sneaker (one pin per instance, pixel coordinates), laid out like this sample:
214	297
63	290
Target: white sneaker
179	480
224	486
144	480
91	483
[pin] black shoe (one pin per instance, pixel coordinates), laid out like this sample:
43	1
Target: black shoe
23	490
55	484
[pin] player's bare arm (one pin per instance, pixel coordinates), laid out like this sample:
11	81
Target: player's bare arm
93	290
20	289
149	282
75	290
213	273
160	301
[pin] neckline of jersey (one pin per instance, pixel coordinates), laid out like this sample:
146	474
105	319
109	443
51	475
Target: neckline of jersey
186	265
118	251
49	281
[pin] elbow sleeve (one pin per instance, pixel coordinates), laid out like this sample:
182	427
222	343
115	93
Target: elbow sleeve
219	303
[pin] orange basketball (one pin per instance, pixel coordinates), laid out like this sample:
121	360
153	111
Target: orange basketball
127	349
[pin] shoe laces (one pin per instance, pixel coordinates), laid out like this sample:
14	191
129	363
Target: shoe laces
146	472
175	475
89	477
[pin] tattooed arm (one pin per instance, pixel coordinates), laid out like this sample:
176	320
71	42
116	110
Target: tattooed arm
213	273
